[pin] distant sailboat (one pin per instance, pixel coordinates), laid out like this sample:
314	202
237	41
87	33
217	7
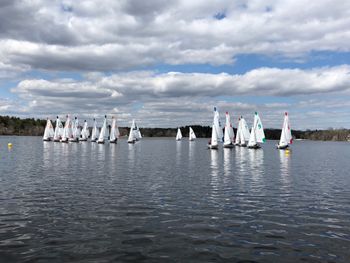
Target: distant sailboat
286	134
178	135
84	132
244	133
114	136
49	132
213	144
76	131
217	125
192	135
67	131
58	130
228	133
133	132
104	132
257	134
95	133
238	133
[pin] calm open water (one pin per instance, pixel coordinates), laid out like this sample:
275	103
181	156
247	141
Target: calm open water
166	201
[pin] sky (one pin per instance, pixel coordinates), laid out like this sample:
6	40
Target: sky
168	63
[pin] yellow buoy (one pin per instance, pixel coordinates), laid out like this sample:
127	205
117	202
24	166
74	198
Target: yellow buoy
9	145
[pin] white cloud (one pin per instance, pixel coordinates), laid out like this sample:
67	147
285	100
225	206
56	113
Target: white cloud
174	96
115	35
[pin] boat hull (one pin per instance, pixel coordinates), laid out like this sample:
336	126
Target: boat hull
46	139
282	147
213	147
229	146
113	141
256	146
101	142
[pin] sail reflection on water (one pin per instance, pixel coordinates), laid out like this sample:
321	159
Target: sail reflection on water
285	157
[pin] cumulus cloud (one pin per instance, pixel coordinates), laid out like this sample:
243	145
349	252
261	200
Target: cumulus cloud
115	35
173	97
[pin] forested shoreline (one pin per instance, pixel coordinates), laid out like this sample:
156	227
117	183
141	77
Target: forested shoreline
35	127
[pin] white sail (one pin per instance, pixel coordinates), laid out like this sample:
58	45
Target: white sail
85	132
252	138
192	135
178	134
245	129
49	132
241	135
114	131
104	132
214	138
257	134
286	134
259	129
132	138
95	133
217	125
76	130
228	133
58	130
238	135
67	131
136	130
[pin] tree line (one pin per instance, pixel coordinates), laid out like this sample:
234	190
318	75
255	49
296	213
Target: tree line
35	127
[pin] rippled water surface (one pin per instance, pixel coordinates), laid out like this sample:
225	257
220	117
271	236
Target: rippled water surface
166	201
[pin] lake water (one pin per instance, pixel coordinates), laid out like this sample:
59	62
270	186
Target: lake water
166	201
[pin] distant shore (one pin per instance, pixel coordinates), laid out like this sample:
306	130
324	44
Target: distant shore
35	127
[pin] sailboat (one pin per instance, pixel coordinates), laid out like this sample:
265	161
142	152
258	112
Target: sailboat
238	134
257	134
132	134
104	132
244	133
95	133
49	132
84	132
67	131
228	133
76	131
192	135
178	135
217	125
286	134
58	130
213	144
114	136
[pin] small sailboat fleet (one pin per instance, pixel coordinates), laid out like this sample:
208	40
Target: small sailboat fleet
244	138
72	131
